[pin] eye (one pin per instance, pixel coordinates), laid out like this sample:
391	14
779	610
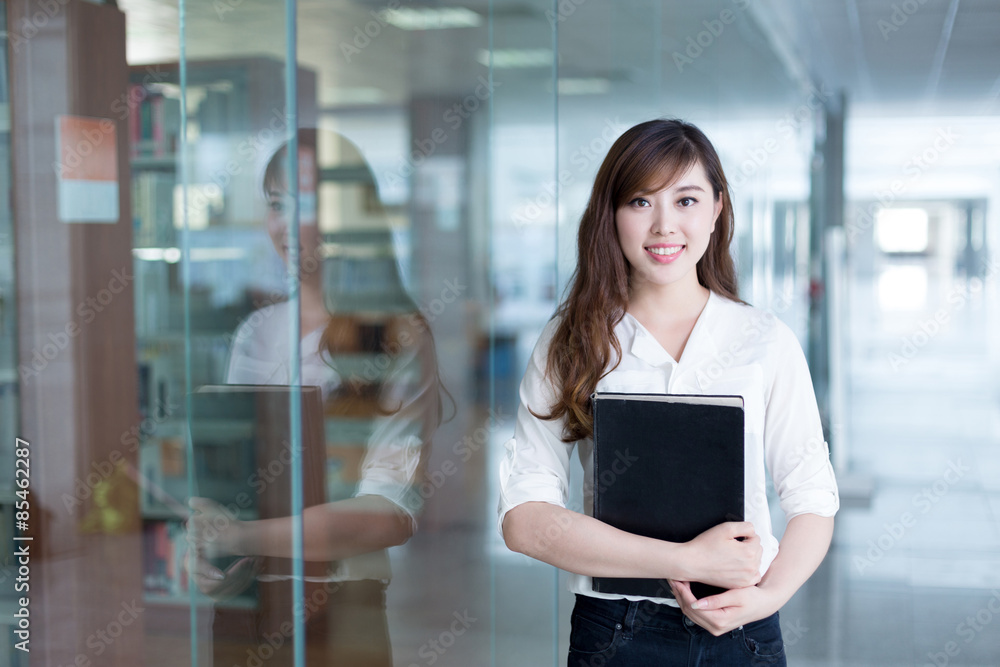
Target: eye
687	201
639	201
276	205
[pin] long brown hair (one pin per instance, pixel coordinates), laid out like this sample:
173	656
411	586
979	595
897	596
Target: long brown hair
647	157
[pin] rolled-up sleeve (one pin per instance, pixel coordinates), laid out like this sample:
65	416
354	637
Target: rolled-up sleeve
794	447
536	462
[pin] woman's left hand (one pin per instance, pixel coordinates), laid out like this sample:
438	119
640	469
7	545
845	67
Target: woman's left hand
726	611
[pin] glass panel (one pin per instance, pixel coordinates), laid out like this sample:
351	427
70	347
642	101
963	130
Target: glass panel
210	279
525	199
627	63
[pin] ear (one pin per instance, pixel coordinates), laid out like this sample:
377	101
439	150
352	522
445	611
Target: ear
716	211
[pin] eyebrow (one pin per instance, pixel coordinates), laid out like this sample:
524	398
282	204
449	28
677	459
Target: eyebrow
683	188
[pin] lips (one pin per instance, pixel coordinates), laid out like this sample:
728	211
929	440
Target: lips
664	254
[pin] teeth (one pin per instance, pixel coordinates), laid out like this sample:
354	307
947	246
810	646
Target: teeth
666	251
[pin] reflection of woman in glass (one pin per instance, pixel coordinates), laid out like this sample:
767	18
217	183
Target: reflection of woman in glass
654	309
392	397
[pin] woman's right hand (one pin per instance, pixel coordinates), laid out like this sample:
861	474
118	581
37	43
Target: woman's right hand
727	555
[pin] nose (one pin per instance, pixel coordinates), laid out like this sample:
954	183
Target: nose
661	223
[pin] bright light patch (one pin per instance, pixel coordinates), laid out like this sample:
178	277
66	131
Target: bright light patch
516	58
593	86
203	201
433	19
173	255
901	230
902	288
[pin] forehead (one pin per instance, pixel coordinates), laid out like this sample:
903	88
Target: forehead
675	177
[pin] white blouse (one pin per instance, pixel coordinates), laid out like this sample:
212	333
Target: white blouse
733	350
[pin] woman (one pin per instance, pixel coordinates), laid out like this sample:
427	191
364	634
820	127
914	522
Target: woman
654	308
392	404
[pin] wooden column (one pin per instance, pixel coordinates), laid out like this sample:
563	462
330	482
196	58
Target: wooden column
76	343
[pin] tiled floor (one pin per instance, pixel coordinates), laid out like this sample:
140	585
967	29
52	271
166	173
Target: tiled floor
913	576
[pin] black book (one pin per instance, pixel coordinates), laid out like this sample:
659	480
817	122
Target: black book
668	467
240	436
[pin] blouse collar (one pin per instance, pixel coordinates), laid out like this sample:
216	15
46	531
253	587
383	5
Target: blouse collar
645	346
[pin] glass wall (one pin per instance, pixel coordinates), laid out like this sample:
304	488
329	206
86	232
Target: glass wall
445	157
328	339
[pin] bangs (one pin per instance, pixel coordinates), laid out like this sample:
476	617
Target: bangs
275	178
651	168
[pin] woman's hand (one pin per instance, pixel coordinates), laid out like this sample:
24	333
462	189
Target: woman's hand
727	610
727	555
220	585
212	530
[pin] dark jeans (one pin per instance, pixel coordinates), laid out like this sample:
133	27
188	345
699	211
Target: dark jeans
619	633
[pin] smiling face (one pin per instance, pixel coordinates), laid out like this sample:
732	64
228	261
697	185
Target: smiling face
664	233
278	207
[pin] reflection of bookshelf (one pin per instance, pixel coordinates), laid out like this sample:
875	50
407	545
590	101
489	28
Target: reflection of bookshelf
231	104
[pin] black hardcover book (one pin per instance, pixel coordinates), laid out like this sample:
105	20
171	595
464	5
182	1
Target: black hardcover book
240	436
668	467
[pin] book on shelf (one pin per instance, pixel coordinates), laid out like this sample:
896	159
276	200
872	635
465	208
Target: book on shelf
668	467
164	549
154	122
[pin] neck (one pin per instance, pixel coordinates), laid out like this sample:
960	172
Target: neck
669	303
311	295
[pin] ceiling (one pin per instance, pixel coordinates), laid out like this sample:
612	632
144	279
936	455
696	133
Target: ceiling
941	59
896	57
